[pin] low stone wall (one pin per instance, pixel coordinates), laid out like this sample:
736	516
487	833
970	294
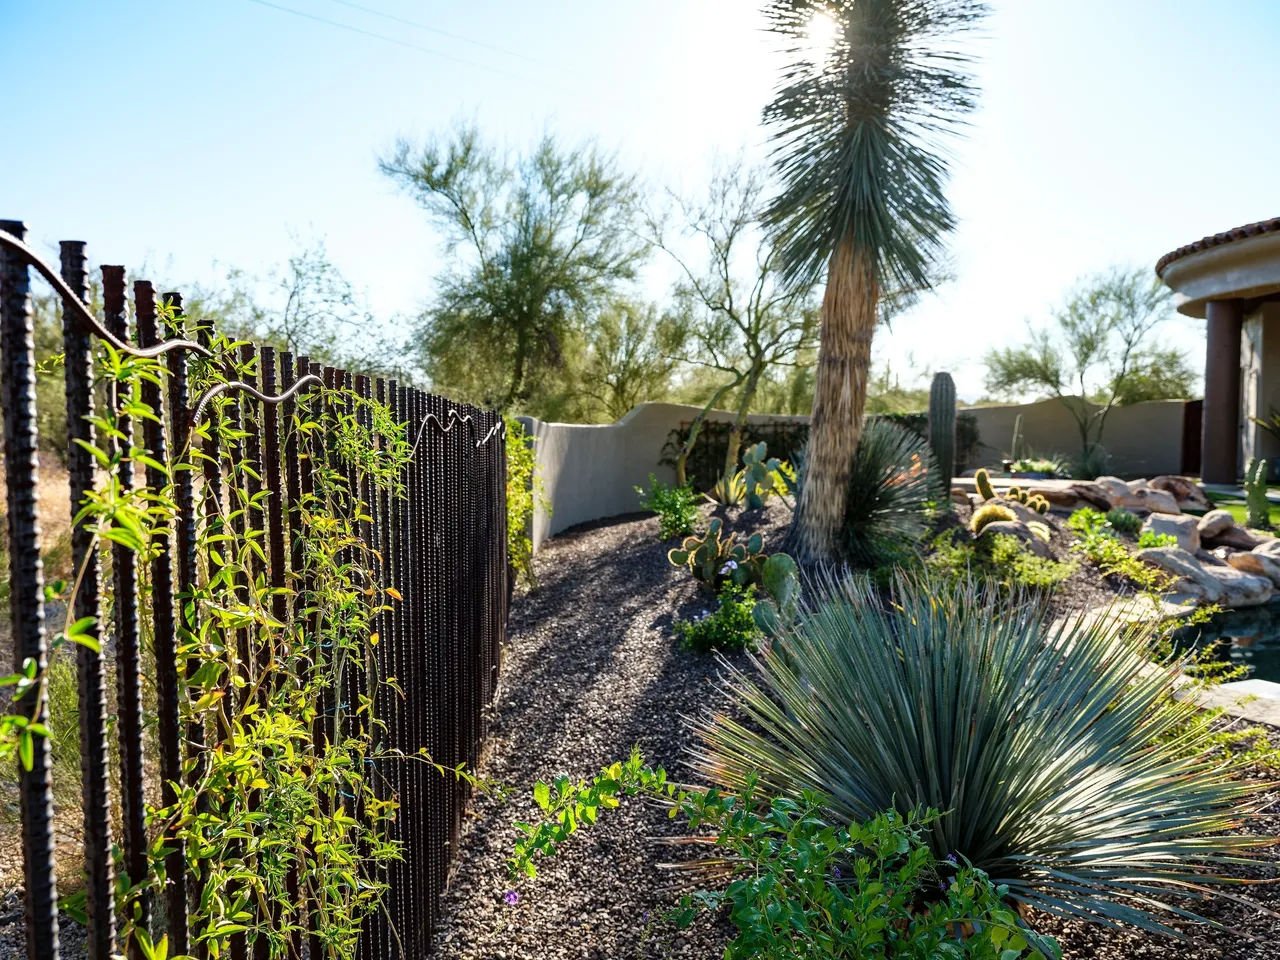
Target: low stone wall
590	472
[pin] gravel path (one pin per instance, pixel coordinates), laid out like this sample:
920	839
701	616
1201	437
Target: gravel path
591	668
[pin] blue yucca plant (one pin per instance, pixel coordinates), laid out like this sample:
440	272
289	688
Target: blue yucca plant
1063	764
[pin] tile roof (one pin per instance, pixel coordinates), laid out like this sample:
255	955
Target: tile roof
1218	239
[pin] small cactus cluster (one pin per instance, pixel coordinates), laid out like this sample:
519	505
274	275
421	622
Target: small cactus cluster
780	578
714	561
942	430
1257	507
1015	493
1032	500
759	475
989	513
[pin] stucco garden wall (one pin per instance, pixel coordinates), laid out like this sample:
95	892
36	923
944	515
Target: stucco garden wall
589	472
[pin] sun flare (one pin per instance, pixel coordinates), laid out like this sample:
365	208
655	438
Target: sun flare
822	31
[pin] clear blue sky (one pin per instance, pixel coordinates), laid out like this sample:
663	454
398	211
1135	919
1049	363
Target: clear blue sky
191	133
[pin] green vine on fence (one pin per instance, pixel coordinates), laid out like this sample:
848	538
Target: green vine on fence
267	815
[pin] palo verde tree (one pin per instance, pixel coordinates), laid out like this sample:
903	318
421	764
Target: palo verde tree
537	244
1097	354
629	358
740	318
870	88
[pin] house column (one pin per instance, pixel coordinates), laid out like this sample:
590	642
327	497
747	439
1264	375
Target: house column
1220	439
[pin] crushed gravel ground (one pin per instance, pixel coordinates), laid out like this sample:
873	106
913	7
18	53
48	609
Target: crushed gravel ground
591	668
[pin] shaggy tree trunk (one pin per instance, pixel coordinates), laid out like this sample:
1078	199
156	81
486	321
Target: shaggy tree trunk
839	398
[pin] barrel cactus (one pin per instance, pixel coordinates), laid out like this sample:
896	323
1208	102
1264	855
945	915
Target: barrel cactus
983	481
989	513
942	429
714	561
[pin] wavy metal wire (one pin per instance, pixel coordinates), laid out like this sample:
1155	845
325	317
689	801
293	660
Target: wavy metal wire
498	429
85	313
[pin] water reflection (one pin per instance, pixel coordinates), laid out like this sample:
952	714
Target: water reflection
1252	635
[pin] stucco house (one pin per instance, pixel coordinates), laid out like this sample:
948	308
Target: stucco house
1231	280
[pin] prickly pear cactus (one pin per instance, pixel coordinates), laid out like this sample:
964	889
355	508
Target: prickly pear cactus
942	430
1257	507
759	475
983	481
714	561
780	578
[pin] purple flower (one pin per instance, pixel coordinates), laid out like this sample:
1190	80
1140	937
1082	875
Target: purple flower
952	858
729	567
835	872
511	898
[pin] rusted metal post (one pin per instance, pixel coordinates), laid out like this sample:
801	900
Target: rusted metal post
95	786
164	631
128	644
26	592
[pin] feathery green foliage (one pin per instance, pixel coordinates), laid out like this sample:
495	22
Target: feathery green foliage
893	481
1068	771
676	507
857	126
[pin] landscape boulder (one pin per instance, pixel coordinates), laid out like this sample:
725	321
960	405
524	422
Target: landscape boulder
1193	579
1232	536
1258	564
1146	498
1215	522
1185	490
1115	488
1241	589
1077	495
1184	529
1016	528
1269	548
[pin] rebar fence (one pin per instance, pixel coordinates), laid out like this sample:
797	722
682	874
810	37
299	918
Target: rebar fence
288	597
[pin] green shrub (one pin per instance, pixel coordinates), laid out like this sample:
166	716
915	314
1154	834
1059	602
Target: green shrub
1099	543
1055	747
1050	465
1124	521
1150	538
1000	560
730	626
676	507
796	887
892	485
524	490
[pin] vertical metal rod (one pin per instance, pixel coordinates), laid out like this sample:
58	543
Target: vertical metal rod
164	633
417	819
95	786
291	519
184	495
128	647
395	573
26	591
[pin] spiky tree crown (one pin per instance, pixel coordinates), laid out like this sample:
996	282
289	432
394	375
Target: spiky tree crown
858	127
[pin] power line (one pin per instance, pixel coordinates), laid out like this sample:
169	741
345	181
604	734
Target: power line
443	33
379	36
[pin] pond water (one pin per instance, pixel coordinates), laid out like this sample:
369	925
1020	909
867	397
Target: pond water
1253	635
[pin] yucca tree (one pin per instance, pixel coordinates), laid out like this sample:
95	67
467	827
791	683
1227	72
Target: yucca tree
1065	767
870	88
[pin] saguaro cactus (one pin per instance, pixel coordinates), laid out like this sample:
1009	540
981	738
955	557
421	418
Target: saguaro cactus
942	430
1015	445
